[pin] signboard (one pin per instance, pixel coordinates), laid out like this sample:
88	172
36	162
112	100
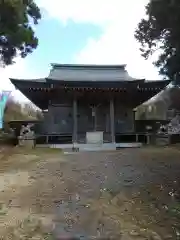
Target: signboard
3	100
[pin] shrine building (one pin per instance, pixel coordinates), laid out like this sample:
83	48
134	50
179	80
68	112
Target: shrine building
87	103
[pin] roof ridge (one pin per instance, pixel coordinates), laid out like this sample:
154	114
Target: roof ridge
58	65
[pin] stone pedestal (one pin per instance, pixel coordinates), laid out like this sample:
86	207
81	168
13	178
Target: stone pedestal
27	143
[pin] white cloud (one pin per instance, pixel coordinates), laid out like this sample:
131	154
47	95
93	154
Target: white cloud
99	12
13	71
113	48
18	70
118	19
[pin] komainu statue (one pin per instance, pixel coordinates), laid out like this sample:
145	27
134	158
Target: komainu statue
27	136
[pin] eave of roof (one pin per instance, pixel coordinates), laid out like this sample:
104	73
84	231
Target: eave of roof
27	83
46	82
154	82
43	80
93	84
24	87
42	87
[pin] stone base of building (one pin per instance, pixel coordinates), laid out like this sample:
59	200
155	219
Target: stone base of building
91	147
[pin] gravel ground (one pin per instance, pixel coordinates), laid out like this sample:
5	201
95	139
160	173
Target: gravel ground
127	194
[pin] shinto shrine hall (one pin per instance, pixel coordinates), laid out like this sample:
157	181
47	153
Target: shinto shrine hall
87	104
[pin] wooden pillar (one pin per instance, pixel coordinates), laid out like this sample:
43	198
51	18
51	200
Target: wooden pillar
134	120
148	138
74	120
137	137
112	120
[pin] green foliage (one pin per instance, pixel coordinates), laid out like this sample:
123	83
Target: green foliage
15	111
31	112
17	18
152	111
160	30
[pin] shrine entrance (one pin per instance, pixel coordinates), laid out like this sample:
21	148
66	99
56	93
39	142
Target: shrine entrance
96	118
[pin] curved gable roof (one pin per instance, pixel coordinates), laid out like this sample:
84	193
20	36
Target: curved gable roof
93	73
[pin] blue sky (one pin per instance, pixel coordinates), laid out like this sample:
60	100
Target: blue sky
86	32
59	43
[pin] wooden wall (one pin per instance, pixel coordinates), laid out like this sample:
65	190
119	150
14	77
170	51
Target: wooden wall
59	119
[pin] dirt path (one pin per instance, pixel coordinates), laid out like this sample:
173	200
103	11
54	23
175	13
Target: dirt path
129	194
